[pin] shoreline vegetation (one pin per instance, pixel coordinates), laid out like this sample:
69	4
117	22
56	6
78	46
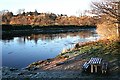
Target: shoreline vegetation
106	49
26	30
8	29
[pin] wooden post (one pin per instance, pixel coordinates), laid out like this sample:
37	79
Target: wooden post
96	68
91	68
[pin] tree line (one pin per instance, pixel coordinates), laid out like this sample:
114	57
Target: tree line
35	18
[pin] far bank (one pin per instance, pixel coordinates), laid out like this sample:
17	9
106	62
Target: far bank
36	29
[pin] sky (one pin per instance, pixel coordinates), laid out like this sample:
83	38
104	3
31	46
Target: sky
69	7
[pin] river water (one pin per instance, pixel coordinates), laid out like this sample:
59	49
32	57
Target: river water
20	51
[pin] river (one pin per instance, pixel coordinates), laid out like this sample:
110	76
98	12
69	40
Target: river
20	51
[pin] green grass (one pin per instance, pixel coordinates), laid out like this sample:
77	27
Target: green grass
106	49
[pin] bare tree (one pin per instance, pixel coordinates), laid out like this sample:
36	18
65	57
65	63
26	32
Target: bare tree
4	12
110	8
20	11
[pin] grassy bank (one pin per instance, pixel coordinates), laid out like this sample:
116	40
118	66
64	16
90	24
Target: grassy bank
106	49
96	48
73	59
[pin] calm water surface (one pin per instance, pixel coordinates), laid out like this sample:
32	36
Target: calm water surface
20	51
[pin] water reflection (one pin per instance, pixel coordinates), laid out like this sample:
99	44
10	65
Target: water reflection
21	50
48	37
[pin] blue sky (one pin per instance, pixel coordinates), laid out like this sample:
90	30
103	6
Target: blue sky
69	7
